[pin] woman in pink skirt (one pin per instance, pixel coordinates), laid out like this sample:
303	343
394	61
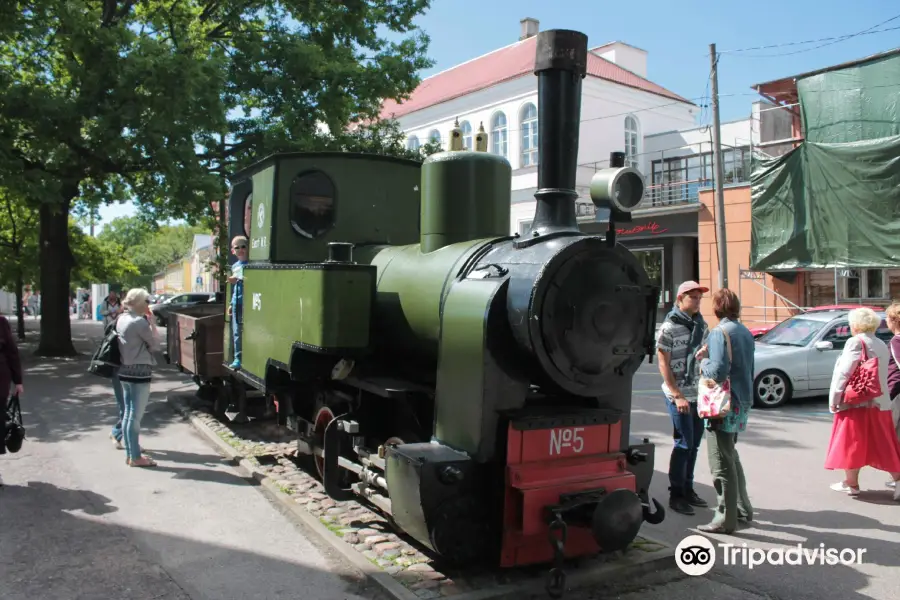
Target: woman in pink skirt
862	435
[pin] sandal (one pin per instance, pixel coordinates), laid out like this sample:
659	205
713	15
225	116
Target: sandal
142	462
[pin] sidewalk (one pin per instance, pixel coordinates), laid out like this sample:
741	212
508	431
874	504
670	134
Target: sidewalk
77	523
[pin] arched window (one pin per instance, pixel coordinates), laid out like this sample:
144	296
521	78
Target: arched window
248	214
434	137
412	143
631	142
466	130
529	129
499	142
312	204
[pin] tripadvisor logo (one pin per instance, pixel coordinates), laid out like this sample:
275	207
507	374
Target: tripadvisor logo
696	555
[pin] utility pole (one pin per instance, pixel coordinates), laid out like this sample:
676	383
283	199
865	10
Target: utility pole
717	161
92	222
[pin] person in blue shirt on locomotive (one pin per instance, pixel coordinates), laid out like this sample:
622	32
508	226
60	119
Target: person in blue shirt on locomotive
239	249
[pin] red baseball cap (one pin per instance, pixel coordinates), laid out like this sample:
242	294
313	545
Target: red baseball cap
690	286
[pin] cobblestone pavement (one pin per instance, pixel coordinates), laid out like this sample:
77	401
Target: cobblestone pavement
272	449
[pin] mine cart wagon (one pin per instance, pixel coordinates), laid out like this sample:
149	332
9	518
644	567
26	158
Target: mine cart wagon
195	345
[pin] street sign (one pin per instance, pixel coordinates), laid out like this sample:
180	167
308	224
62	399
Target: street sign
753	275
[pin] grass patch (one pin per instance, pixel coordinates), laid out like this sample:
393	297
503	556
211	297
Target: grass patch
332	526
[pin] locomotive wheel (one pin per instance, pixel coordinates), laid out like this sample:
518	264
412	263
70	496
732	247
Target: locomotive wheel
324	416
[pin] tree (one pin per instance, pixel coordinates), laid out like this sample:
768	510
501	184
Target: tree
18	250
96	260
159	100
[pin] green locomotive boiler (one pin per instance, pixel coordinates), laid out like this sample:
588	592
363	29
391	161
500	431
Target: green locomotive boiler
473	385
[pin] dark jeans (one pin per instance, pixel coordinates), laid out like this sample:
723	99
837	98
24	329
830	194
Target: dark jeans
732	500
687	432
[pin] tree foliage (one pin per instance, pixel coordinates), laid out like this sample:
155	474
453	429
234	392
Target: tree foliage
148	247
103	100
94	260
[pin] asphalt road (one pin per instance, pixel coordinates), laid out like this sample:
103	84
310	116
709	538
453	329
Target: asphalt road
783	451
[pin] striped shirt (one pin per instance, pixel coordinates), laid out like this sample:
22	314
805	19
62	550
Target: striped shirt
674	339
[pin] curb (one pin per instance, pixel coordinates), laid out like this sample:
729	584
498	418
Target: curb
633	564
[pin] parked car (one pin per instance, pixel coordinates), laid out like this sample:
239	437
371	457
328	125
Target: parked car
760	330
162	309
796	358
158	298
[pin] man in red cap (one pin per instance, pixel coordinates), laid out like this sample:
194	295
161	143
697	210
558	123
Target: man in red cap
679	347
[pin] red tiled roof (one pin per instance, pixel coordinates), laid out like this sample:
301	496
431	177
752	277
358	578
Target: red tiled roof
503	65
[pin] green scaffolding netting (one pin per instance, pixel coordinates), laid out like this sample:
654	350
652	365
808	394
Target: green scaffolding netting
852	104
825	205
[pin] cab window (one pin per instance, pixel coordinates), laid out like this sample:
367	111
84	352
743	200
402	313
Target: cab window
312	204
248	214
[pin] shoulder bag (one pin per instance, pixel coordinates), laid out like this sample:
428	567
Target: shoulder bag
714	399
15	431
864	384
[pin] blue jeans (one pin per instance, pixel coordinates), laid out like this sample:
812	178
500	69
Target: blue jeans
137	395
120	403
236	332
687	433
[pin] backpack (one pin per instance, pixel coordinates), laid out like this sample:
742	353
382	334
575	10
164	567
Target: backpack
106	359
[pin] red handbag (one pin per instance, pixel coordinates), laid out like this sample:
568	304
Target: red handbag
865	384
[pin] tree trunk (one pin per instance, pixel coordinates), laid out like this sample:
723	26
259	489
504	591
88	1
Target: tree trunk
20	306
56	263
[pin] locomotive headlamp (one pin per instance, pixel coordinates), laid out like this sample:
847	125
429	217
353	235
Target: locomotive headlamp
619	189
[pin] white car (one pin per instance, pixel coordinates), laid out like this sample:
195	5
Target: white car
796	358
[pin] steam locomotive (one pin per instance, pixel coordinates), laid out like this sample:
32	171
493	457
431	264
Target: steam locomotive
472	385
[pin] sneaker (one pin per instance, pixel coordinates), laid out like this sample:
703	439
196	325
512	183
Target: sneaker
695	500
681	505
843	487
116	443
235	365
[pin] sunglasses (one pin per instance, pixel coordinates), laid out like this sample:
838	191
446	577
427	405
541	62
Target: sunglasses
241	247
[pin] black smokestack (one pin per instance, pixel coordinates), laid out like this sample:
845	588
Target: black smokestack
560	65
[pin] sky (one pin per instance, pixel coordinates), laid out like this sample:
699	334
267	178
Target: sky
676	35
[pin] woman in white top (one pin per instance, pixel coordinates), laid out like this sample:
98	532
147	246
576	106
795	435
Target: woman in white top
862	434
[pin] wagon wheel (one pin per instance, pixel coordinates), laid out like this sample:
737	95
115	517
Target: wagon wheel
221	400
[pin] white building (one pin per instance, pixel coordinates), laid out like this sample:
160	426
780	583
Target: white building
680	163
620	107
202	277
498	91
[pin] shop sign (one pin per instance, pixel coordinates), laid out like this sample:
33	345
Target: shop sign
650	228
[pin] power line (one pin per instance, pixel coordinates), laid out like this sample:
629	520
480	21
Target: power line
786	44
828	41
